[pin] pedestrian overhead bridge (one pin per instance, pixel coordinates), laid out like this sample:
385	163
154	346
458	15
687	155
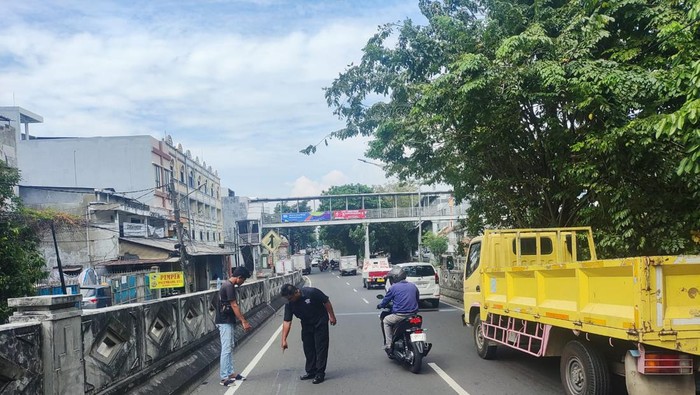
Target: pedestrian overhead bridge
358	209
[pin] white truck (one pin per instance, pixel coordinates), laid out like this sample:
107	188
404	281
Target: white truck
348	265
284	266
302	262
373	272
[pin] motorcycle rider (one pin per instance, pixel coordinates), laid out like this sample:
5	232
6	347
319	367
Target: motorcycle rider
404	296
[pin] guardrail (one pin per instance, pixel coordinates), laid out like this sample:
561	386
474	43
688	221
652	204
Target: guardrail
56	348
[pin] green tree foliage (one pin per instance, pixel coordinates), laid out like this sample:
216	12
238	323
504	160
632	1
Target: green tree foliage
542	114
21	264
437	245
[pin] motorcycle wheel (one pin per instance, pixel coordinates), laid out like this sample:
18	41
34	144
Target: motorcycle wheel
416	360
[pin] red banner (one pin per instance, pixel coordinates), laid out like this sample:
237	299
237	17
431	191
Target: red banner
350	214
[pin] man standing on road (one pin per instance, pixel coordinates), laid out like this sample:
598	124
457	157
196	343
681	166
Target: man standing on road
226	316
405	302
314	310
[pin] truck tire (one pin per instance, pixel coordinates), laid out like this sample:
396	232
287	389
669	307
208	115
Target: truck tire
483	346
583	370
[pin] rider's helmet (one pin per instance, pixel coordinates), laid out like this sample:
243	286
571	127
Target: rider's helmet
401	275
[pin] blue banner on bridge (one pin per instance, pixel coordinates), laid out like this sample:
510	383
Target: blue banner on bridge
307	216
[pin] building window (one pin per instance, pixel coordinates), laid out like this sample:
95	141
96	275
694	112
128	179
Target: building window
182	174
191	180
159	181
193	235
168	175
207	235
201	235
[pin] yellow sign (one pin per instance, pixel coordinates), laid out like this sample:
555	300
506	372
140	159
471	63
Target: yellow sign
166	280
271	241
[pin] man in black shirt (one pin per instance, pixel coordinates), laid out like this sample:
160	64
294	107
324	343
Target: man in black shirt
314	310
226	316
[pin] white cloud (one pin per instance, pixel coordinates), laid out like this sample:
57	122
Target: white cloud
246	100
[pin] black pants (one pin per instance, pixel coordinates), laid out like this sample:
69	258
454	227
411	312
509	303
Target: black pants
316	342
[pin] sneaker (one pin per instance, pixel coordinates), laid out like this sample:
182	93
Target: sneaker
237	377
227	382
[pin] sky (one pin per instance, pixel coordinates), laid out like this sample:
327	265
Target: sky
237	82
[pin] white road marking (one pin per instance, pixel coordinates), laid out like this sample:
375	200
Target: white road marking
458	389
338	276
365	300
354	289
255	361
347	283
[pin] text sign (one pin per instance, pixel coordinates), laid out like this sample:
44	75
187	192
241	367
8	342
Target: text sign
166	280
307	216
350	214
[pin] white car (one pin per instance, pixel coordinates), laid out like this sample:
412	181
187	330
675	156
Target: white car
423	275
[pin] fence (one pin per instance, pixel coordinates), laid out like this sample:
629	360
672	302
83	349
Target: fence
113	350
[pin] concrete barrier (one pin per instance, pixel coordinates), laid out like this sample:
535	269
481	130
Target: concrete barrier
452	284
52	347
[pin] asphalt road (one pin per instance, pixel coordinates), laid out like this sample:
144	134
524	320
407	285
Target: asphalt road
357	365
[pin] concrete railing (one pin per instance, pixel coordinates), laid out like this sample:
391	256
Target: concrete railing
452	284
52	347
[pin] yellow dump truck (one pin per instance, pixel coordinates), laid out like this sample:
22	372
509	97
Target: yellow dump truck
544	292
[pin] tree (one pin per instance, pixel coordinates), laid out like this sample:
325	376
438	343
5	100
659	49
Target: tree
437	245
542	114
21	264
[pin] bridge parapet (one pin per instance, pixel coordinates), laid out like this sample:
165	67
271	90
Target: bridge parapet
118	348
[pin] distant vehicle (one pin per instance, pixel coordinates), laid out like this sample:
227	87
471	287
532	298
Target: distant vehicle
314	262
423	275
334	258
348	265
96	296
302	262
373	272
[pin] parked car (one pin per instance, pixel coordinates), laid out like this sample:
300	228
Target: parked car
423	275
96	296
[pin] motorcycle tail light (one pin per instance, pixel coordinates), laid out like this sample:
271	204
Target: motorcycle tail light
415	320
418	331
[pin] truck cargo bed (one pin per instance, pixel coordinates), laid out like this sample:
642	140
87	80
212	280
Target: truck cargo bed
652	300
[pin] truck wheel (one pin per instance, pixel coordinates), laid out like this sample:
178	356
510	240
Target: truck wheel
483	346
583	370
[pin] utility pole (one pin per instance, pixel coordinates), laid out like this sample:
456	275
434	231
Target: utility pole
178	227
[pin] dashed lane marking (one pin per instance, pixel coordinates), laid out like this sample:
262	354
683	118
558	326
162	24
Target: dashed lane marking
365	300
354	289
347	283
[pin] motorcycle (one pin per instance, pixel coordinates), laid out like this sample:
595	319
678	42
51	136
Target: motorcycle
410	342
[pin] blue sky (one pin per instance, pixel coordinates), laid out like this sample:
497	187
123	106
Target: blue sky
239	83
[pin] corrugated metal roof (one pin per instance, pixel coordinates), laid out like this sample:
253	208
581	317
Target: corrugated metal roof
193	248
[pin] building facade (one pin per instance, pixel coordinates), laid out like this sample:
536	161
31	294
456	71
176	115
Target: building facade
138	167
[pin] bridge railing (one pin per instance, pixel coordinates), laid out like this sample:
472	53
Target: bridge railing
426	213
56	348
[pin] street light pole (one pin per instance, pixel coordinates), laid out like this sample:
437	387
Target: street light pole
420	228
